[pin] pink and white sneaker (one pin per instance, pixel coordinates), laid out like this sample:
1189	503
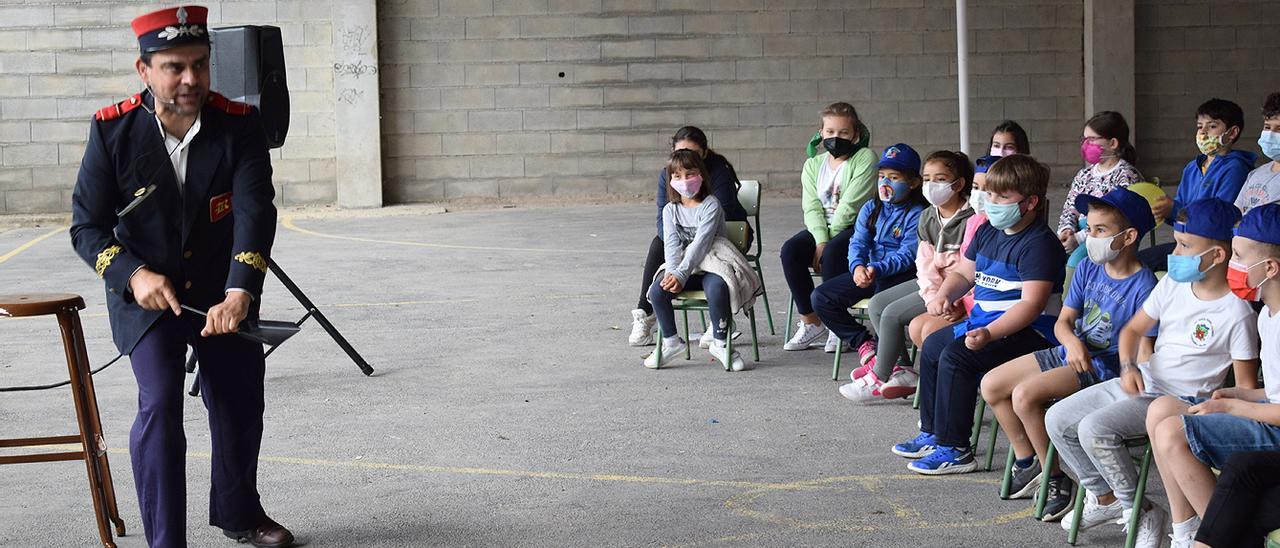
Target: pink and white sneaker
863	390
867	352
902	383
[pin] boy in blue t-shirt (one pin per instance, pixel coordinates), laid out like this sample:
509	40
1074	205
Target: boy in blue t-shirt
1016	271
1217	172
1105	293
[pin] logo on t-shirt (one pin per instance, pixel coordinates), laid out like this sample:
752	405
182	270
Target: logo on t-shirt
897	232
1095	326
1202	333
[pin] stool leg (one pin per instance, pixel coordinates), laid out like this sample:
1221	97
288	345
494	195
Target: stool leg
1006	481
86	417
1078	511
1138	497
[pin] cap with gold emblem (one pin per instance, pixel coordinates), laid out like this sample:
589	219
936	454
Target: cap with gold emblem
171	28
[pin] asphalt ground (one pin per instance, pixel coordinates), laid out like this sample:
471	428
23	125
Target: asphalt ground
507	408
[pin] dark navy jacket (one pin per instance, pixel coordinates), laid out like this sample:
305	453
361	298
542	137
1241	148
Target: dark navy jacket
214	235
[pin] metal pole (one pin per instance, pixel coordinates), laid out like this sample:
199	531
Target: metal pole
962	72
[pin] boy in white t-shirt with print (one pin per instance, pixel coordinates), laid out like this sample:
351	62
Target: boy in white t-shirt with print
1190	435
1203	329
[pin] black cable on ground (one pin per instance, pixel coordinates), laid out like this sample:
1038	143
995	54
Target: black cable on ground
59	384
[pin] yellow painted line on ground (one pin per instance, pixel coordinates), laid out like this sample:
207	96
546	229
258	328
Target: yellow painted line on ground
31	243
288	223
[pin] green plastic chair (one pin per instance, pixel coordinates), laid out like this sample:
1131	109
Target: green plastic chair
696	301
749	196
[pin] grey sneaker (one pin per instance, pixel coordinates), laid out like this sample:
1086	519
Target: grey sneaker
1060	498
1025	481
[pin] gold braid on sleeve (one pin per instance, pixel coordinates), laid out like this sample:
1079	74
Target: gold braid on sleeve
105	257
253	259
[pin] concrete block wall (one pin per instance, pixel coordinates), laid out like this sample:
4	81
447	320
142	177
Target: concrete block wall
62	60
1188	52
506	97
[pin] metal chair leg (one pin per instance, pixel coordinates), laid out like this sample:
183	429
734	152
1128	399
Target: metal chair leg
991	446
764	294
688	349
835	366
979	413
755	340
1138	499
1042	494
791	309
1077	510
1006	480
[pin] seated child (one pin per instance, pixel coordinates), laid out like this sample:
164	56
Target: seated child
941	233
693	230
882	250
1262	186
1105	292
925	324
834	186
1015	267
1203	328
1191	435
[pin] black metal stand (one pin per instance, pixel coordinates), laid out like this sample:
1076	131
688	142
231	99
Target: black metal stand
312	312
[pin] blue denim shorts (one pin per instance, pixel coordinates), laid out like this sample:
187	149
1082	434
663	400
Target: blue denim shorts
1214	438
1051	358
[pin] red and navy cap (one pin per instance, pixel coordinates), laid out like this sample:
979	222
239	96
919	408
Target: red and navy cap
171	28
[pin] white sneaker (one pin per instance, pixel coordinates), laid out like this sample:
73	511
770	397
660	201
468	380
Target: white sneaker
901	384
1094	514
669	353
863	391
807	336
1153	525
721	353
641	328
1187	541
832	343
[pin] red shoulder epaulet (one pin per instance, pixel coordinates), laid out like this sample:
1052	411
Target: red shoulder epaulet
117	110
228	106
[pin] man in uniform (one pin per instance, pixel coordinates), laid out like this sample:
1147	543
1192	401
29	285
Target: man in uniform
172	207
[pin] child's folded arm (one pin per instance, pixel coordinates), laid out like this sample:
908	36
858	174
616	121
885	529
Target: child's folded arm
1130	336
1035	294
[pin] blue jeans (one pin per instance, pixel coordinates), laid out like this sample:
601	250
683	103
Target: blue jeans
717	300
1214	438
949	376
832	300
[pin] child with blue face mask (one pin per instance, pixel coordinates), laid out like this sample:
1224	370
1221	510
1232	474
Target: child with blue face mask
1203	329
882	250
1263	184
1015	267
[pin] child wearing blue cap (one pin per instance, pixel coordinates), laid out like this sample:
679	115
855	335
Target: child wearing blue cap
1198	433
1015	267
833	187
1105	293
1262	186
1203	329
882	250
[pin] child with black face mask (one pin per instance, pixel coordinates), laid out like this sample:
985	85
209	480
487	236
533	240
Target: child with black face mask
834	185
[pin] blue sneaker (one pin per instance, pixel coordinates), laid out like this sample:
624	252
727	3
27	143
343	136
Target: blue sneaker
922	446
945	460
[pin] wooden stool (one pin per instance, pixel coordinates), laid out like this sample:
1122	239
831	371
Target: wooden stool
93	449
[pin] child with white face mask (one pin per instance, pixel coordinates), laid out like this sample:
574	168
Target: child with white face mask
1263	184
941	230
1106	291
1009	138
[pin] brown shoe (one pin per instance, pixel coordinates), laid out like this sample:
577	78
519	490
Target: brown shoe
268	534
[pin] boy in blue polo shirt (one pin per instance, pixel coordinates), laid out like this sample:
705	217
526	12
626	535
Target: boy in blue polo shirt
1203	330
1218	171
1015	265
1190	435
1105	293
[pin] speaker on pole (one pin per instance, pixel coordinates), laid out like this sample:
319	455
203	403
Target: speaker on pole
247	65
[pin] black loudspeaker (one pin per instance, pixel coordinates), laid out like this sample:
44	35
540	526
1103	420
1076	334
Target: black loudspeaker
247	64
